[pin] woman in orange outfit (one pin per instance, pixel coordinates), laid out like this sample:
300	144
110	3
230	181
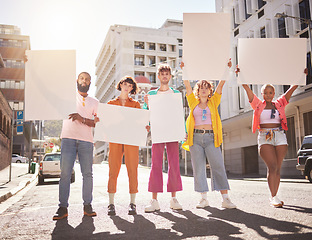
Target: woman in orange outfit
126	86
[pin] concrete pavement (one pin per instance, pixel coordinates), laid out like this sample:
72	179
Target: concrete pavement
20	178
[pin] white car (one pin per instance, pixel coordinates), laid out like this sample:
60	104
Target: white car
50	167
19	159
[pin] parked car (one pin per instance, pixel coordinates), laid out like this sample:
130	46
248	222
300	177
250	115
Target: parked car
19	159
304	161
50	167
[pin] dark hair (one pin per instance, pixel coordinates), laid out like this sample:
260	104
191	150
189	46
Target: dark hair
200	84
84	73
163	68
130	80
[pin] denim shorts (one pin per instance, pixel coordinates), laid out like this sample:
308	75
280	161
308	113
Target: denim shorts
278	137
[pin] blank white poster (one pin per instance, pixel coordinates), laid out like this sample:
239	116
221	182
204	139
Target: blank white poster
50	84
278	61
123	125
206	46
166	117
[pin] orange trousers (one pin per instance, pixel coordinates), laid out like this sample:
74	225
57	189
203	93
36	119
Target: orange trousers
116	152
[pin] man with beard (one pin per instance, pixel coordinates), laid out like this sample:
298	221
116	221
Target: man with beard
77	138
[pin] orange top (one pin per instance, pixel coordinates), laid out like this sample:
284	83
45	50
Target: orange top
129	103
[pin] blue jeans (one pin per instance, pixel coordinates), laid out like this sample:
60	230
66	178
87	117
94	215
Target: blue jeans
203	147
69	150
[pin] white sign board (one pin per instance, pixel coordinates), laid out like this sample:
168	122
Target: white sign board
50	84
123	125
166	117
278	61
206	46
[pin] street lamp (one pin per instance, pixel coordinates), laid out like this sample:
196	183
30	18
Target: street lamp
303	20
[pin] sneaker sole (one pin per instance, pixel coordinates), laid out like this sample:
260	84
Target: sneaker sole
278	205
156	210
89	214
176	208
59	218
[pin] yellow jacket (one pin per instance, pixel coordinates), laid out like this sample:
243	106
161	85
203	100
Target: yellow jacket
213	104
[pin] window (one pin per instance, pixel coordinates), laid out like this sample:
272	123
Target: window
152	77
261	13
282	28
180	41
307	123
151	61
172	62
262	32
236	32
304	10
9	63
235	24
180	53
291	138
163	47
139	60
172	48
261	3
246	13
138	45
162	59
151	46
137	74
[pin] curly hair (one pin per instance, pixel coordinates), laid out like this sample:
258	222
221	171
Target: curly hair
266	86
163	68
129	80
200	84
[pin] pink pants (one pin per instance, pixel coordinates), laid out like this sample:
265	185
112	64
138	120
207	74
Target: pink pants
174	182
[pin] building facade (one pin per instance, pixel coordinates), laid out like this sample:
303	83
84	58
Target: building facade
12	82
256	19
137	52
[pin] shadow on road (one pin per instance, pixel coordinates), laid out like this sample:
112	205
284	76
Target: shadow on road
287	230
298	209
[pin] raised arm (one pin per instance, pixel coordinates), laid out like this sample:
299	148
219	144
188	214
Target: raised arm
222	82
186	82
249	92
290	91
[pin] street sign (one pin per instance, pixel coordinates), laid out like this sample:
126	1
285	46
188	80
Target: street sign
51	145
20	115
45	144
19	129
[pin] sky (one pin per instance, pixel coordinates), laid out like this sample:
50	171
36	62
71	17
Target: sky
82	24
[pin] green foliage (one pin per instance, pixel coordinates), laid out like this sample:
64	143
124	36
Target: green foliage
53	128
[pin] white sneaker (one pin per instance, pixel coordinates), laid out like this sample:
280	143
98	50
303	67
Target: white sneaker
174	204
154	206
202	203
228	204
275	202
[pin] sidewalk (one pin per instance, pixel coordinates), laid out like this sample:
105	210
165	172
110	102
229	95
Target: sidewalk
20	178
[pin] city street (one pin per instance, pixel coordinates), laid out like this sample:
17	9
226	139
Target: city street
28	215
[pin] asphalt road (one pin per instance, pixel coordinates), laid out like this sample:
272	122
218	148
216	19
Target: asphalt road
29	213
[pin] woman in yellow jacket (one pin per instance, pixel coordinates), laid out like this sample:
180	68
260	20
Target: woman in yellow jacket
204	138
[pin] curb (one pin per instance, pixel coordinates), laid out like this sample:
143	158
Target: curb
20	187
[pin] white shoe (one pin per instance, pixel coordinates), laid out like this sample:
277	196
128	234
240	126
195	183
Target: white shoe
202	203
228	204
154	206
174	204
275	202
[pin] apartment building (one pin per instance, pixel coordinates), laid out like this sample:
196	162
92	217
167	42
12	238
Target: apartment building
12	81
258	19
137	52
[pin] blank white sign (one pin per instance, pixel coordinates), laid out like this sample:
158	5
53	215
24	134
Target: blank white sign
206	45
278	61
166	117
123	125
50	84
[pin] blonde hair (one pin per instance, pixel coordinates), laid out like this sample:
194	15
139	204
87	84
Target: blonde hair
266	86
200	84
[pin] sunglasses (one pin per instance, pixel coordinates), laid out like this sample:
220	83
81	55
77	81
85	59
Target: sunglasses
204	117
272	113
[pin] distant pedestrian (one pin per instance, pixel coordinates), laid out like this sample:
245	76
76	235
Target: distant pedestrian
174	183
126	86
204	138
270	119
77	139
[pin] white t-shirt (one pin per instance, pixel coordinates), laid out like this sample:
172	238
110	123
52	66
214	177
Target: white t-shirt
87	108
